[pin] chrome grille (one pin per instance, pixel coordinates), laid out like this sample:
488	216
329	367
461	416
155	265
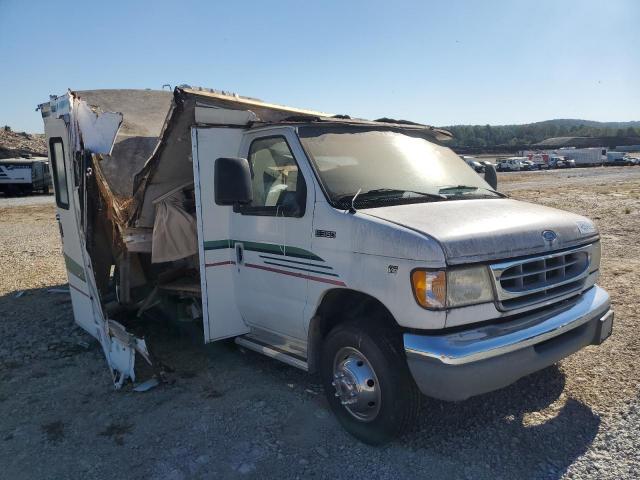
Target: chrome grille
528	281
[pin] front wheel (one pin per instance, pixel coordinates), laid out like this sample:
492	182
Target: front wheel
368	384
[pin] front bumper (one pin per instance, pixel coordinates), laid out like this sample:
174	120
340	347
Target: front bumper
477	360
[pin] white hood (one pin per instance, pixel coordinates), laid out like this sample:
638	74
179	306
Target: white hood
490	229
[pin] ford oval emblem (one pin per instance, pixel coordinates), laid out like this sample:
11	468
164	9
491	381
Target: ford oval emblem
549	235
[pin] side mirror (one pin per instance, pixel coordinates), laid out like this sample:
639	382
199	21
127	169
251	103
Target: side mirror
232	181
490	176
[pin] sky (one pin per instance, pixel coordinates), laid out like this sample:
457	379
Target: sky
435	62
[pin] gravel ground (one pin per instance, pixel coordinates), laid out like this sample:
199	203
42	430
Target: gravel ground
227	413
23	201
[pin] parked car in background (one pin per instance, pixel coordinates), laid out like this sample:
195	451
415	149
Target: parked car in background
540	164
557	162
477	166
619	162
618	159
529	165
487	164
569	163
473	163
513	164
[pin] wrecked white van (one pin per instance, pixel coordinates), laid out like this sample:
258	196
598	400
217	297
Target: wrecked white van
366	251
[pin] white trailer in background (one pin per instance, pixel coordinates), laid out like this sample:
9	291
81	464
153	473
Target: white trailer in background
20	176
583	157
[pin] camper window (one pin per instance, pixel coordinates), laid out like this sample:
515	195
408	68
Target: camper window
278	188
59	172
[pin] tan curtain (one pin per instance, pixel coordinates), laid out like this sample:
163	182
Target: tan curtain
174	231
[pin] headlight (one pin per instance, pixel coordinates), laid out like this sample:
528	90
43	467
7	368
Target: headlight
467	286
594	260
453	288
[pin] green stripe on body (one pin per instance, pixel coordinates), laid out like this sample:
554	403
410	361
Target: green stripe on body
217	244
260	247
74	268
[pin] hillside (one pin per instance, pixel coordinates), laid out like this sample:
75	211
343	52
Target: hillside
482	136
18	144
474	137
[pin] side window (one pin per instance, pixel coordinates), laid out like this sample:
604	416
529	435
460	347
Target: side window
59	172
278	187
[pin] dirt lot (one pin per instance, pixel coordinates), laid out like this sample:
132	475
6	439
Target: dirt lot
228	414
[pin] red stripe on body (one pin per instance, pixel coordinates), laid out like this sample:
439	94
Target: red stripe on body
296	274
218	264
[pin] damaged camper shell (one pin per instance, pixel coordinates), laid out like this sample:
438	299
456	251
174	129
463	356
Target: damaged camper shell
366	251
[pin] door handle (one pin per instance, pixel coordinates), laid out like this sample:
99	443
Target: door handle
239	254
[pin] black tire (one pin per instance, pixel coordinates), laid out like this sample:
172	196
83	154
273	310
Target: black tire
399	396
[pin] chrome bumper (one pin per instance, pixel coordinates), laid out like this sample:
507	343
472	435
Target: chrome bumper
459	365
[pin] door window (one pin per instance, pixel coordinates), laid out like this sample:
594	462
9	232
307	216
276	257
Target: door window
277	184
59	172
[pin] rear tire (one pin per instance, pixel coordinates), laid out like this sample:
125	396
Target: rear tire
366	367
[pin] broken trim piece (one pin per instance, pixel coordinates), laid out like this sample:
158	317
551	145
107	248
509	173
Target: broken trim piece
122	352
98	130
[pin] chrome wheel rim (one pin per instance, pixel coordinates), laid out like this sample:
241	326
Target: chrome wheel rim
356	384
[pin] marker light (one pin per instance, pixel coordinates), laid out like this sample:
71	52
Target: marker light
429	288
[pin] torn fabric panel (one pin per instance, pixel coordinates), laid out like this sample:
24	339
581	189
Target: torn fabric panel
174	231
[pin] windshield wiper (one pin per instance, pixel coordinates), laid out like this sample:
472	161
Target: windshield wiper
377	193
466	188
449	189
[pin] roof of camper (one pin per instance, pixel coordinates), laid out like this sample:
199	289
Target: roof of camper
145	112
299	115
149	154
248	101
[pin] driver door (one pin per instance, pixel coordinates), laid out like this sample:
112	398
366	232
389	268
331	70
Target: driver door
272	235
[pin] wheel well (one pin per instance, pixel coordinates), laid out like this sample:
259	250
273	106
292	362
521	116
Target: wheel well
342	305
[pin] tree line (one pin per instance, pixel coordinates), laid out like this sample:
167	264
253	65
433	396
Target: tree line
532	133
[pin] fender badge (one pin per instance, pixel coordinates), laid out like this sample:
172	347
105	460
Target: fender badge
325	234
549	235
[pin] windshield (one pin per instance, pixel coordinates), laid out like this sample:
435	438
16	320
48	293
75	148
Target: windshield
380	165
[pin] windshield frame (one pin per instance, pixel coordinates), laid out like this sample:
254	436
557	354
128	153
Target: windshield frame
411	131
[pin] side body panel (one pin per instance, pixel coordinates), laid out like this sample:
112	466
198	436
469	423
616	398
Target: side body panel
374	257
63	135
81	287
